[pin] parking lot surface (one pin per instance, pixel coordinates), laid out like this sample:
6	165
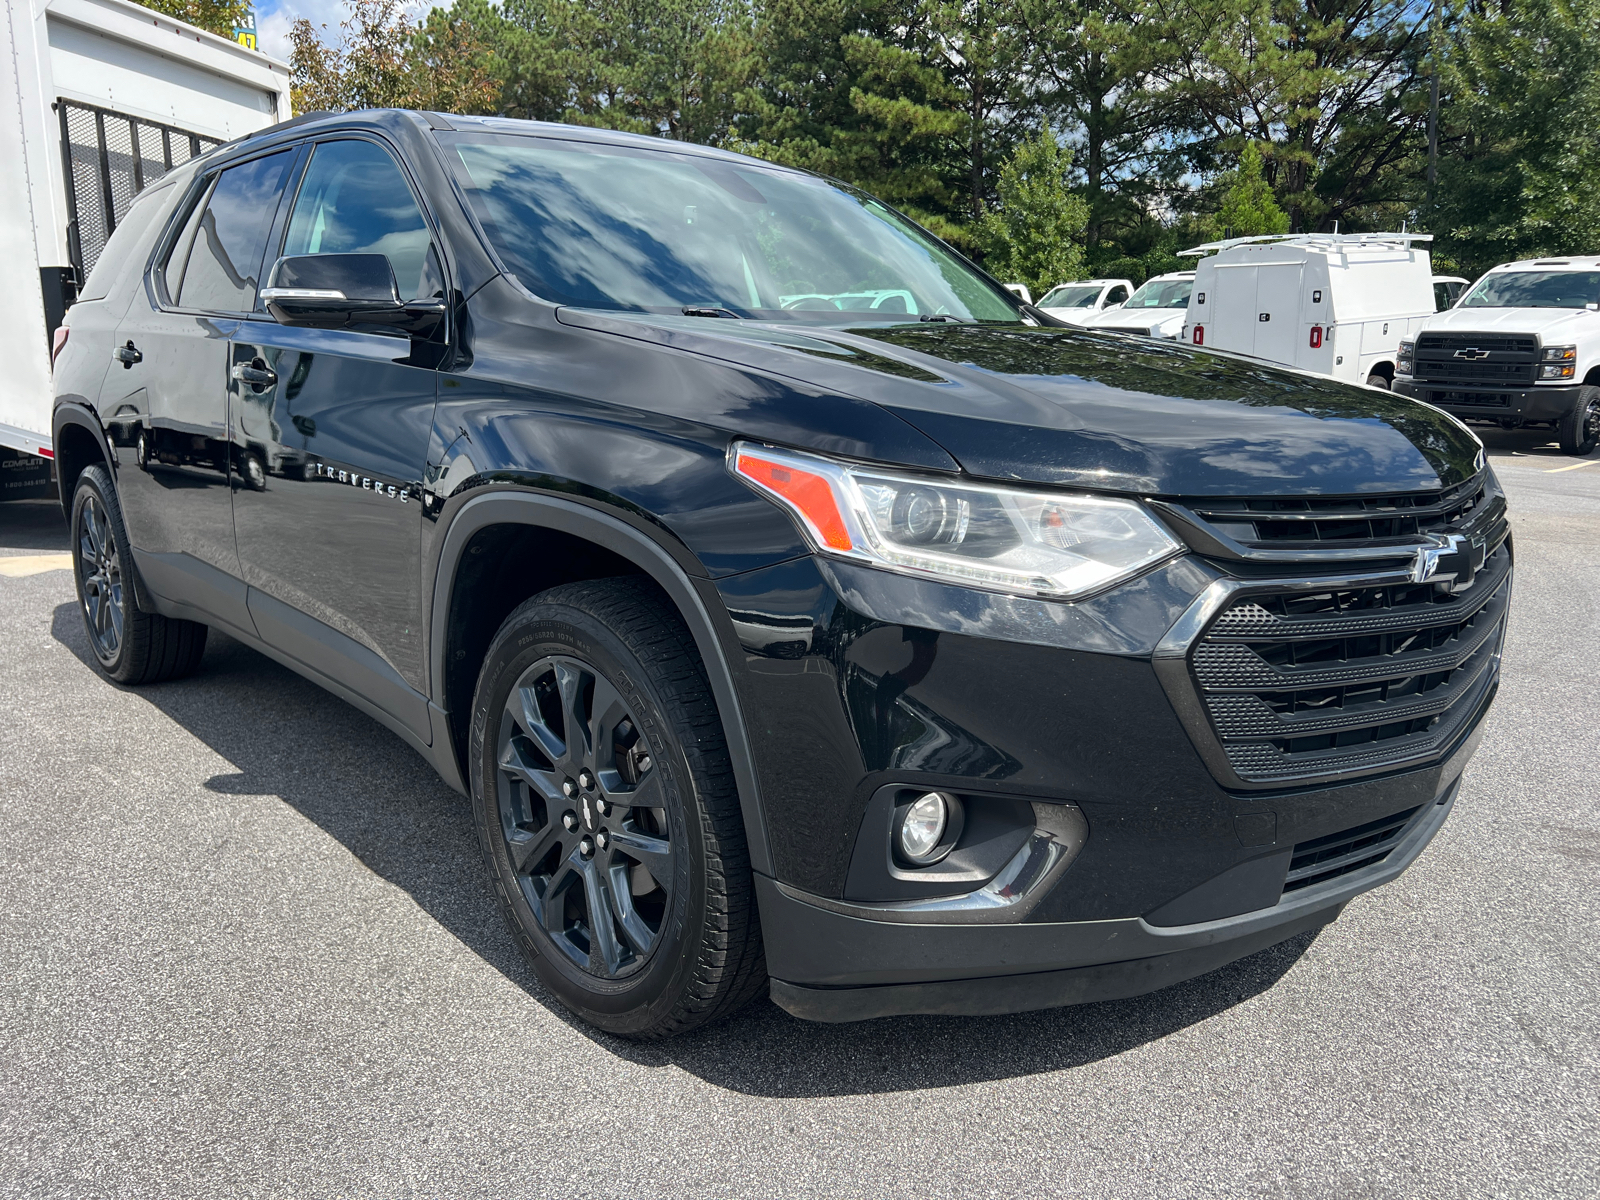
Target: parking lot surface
248	951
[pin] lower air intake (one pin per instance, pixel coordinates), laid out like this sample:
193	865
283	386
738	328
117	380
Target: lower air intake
1325	858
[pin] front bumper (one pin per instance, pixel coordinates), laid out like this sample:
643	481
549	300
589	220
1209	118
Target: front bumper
1541	403
836	967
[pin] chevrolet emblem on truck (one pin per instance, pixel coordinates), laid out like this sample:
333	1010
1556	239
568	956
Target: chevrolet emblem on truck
1472	353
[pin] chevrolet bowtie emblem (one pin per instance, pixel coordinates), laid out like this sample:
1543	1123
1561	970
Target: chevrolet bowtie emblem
1451	564
1472	352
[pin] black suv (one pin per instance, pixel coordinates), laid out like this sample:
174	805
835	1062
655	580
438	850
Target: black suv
799	610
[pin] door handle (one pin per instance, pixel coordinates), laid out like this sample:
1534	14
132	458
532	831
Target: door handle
259	377
128	355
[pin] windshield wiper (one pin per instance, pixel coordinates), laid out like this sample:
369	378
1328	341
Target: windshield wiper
700	310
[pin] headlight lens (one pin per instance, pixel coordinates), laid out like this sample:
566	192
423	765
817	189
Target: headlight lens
1405	357
1008	539
1560	353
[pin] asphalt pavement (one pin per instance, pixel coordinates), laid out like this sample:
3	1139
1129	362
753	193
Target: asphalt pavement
246	950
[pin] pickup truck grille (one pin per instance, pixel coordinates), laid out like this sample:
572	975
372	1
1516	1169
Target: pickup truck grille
1496	359
1301	685
1327	521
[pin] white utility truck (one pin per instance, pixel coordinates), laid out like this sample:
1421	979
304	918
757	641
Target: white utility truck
1158	309
1520	348
1337	304
1083	299
98	99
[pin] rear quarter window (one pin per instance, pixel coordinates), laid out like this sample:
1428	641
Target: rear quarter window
130	243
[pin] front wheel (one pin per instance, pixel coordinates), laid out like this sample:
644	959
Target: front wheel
606	809
1579	430
1378	381
131	646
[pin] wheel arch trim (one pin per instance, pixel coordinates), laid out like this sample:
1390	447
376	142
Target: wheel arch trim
619	537
83	417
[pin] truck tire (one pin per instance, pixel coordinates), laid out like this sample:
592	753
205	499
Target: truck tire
130	646
607	812
1579	430
1378	381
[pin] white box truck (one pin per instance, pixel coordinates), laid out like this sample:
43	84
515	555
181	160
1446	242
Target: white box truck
1337	304
98	98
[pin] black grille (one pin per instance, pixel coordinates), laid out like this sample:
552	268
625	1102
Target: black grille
1477	358
1302	684
1325	858
1314	521
1470	399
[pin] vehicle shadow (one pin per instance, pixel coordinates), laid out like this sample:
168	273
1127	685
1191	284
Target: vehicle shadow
361	785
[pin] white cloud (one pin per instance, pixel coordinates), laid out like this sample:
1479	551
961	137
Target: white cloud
275	17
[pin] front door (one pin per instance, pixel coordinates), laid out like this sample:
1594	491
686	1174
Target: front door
332	428
167	392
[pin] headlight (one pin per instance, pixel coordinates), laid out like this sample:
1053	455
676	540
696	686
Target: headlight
1008	539
1405	357
1560	362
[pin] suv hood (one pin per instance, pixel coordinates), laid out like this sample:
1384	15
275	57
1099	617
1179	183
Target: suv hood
1079	408
1553	325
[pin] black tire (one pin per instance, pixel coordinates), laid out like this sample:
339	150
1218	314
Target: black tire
1579	430
252	472
1378	381
129	646
568	823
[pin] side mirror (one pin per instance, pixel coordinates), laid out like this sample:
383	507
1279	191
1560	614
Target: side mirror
346	291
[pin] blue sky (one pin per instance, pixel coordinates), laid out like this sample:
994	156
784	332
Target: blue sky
273	18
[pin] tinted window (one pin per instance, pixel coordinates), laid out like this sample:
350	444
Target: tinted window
133	233
1117	295
355	201
224	244
631	228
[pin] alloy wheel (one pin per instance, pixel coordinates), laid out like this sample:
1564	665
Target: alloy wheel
584	817
100	569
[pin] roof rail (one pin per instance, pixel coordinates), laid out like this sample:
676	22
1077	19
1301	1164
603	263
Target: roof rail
1310	239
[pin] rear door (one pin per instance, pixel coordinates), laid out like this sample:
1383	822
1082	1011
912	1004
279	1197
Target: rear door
332	427
1277	323
1232	321
168	393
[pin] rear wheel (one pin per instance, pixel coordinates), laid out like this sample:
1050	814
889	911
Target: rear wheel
129	645
607	812
1579	430
1378	381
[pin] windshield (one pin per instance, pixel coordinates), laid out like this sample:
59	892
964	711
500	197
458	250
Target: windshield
1534	289
1162	293
1071	295
624	227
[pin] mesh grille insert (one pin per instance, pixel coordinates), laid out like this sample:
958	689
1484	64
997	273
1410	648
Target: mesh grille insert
1304	684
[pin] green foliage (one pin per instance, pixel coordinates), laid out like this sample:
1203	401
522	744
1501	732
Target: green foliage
1184	118
1248	205
1520	157
1033	235
217	16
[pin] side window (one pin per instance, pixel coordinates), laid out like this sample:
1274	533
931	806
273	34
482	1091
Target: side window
131	240
223	243
1119	295
354	200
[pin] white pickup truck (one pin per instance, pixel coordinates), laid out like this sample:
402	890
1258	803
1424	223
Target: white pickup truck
1080	301
98	100
1521	347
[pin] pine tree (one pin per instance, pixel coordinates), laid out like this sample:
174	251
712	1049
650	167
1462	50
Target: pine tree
1248	206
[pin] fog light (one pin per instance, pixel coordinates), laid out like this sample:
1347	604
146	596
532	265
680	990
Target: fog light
922	827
